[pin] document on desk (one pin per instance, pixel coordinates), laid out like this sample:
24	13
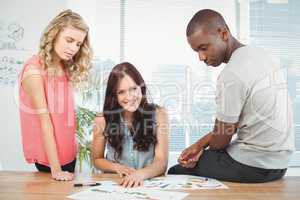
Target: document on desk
177	182
110	191
183	182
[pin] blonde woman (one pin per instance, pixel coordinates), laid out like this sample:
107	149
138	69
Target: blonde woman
46	108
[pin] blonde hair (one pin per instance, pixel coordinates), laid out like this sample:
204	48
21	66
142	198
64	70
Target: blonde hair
78	68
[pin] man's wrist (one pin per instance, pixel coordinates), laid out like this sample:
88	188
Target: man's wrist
201	145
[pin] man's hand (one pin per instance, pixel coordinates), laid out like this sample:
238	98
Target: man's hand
190	156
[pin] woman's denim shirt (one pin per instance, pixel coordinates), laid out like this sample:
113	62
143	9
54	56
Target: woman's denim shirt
130	156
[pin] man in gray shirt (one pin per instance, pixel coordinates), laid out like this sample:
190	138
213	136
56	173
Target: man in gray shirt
252	101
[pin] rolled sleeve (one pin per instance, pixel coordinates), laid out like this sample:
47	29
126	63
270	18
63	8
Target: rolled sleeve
230	98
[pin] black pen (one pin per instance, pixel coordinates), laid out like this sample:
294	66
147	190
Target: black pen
86	184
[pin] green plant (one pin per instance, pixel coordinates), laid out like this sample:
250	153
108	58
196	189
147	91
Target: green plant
89	96
84	120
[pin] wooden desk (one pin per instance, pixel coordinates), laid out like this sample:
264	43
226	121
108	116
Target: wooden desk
39	186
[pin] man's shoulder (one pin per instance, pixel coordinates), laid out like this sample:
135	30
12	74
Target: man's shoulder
247	62
246	52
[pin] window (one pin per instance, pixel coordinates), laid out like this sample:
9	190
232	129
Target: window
274	25
151	35
155	42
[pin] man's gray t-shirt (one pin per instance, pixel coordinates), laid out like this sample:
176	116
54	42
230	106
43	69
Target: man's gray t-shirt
252	90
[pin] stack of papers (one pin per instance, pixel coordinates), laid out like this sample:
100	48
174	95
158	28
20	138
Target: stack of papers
153	189
112	191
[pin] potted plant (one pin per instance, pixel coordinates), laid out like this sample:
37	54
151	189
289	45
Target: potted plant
84	120
90	100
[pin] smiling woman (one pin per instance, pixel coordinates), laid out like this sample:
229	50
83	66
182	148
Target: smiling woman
46	108
133	131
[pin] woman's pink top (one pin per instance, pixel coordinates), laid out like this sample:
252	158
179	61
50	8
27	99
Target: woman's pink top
59	97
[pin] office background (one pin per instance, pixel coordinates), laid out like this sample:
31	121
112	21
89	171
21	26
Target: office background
151	35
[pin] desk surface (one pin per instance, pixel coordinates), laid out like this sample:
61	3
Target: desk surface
39	186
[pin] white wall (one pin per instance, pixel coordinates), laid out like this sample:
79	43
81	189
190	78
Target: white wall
33	16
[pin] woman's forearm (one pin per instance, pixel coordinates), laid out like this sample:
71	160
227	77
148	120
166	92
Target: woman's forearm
50	146
104	165
157	168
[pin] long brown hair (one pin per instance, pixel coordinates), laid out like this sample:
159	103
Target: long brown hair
144	134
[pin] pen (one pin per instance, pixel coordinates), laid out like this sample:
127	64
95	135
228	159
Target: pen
86	184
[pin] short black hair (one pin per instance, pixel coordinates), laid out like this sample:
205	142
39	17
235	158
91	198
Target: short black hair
208	19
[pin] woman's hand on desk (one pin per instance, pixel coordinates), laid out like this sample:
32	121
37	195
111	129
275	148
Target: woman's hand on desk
123	170
62	176
134	180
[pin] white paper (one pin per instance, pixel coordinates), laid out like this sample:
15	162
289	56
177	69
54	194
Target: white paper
184	182
177	182
153	189
110	191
